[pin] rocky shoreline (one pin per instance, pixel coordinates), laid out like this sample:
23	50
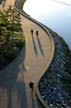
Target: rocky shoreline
54	87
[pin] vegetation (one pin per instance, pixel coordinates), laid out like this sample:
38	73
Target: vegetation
11	36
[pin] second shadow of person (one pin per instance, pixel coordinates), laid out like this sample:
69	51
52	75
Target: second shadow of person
34	45
40	46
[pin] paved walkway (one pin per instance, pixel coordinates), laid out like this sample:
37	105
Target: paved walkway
14	88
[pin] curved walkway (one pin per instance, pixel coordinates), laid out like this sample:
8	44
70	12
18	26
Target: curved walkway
29	66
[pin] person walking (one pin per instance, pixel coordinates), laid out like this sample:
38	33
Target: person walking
31	86
32	31
37	32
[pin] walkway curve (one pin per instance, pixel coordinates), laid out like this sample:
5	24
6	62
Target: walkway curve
39	53
51	58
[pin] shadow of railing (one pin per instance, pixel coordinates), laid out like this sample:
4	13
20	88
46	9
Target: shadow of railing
14	93
10	84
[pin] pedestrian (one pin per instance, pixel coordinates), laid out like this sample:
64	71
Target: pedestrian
37	32
32	31
31	85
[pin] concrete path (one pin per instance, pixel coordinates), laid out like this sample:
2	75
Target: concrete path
14	80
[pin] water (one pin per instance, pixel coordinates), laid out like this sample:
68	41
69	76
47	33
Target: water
55	14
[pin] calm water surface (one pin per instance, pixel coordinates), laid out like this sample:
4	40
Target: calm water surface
55	14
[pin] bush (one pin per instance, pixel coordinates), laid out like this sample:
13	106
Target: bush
12	39
19	43
11	53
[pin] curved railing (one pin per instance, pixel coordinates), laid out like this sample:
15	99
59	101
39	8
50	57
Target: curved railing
52	53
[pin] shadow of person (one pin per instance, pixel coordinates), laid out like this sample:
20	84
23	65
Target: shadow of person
40	46
34	44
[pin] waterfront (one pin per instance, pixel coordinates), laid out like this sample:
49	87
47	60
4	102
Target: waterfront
54	14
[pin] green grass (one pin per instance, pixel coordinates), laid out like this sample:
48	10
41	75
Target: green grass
2	19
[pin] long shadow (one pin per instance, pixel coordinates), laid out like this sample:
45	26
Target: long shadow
9	83
40	46
21	94
34	46
9	90
12	90
33	102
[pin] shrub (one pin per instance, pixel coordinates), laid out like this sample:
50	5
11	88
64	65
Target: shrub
11	53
